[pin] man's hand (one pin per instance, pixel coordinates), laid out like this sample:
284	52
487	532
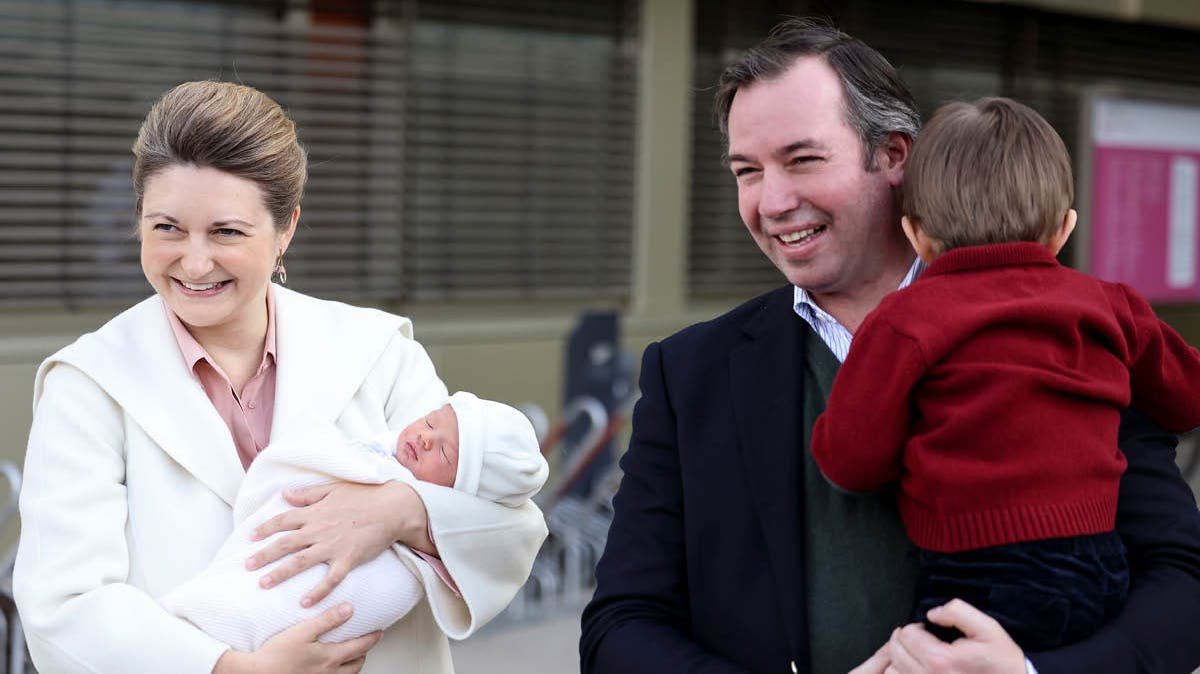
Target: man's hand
341	524
985	649
297	651
876	664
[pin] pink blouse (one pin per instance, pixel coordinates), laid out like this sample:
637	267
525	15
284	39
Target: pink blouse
249	415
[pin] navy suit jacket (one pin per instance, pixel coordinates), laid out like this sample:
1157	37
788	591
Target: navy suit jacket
703	572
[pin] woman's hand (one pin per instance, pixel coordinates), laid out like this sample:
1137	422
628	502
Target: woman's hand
297	651
342	524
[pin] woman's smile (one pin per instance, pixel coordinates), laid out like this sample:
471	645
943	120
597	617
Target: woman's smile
209	246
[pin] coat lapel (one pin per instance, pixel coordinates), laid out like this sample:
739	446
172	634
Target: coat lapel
766	383
325	352
137	362
306	380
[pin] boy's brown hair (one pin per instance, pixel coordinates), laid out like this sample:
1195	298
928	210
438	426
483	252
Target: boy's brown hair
992	171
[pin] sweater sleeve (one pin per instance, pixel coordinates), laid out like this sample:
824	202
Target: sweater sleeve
1164	371
857	442
79	612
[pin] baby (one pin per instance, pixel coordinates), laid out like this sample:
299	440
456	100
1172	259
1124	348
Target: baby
475	446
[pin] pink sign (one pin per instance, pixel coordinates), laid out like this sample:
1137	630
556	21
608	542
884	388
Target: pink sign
1145	182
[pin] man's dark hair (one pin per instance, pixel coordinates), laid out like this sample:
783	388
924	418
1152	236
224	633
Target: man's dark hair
877	100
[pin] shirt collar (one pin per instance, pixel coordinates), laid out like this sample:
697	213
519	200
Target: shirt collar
194	353
807	309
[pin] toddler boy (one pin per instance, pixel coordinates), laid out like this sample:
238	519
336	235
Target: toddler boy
991	389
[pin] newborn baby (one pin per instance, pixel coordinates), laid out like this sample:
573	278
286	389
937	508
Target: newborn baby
475	446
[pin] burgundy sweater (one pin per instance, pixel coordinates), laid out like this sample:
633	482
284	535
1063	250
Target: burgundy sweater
991	390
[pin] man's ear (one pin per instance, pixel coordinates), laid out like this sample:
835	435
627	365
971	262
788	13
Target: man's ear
927	249
891	156
1059	238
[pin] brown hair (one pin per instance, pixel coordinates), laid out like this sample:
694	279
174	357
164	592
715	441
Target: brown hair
877	101
229	127
992	171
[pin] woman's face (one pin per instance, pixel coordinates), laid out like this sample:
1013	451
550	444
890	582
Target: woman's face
209	247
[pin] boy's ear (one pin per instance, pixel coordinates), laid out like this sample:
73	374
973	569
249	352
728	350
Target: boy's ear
1059	238
927	249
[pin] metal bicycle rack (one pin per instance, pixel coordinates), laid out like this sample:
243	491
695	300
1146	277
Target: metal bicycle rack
16	657
564	571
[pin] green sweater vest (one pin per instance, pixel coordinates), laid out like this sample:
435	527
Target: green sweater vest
859	563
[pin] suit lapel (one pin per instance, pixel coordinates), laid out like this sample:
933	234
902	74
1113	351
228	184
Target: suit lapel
765	374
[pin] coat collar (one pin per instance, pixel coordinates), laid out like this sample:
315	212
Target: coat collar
765	374
325	351
137	362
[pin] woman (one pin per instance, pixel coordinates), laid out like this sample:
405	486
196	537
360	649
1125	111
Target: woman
143	429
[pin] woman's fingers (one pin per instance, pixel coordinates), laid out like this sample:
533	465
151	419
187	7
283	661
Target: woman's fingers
308	495
336	574
329	619
288	520
292	565
355	649
342	525
298	650
278	549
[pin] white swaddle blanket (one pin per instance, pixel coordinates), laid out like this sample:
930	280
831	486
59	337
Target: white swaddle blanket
225	599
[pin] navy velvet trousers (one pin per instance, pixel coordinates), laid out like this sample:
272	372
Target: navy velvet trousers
1044	593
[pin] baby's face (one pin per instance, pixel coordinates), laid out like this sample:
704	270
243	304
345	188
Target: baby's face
428	447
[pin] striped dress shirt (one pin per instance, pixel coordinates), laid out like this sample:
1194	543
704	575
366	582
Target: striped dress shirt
834	334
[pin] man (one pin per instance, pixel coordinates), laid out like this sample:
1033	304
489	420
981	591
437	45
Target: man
729	552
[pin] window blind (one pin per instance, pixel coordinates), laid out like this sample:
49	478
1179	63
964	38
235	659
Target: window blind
456	148
519	146
975	49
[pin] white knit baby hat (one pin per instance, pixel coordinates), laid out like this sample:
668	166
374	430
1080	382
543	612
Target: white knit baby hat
498	454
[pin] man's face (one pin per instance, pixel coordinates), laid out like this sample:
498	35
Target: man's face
826	222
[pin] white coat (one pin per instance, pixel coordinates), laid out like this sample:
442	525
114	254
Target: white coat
130	477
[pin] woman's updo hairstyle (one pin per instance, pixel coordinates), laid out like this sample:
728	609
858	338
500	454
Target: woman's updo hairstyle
229	127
